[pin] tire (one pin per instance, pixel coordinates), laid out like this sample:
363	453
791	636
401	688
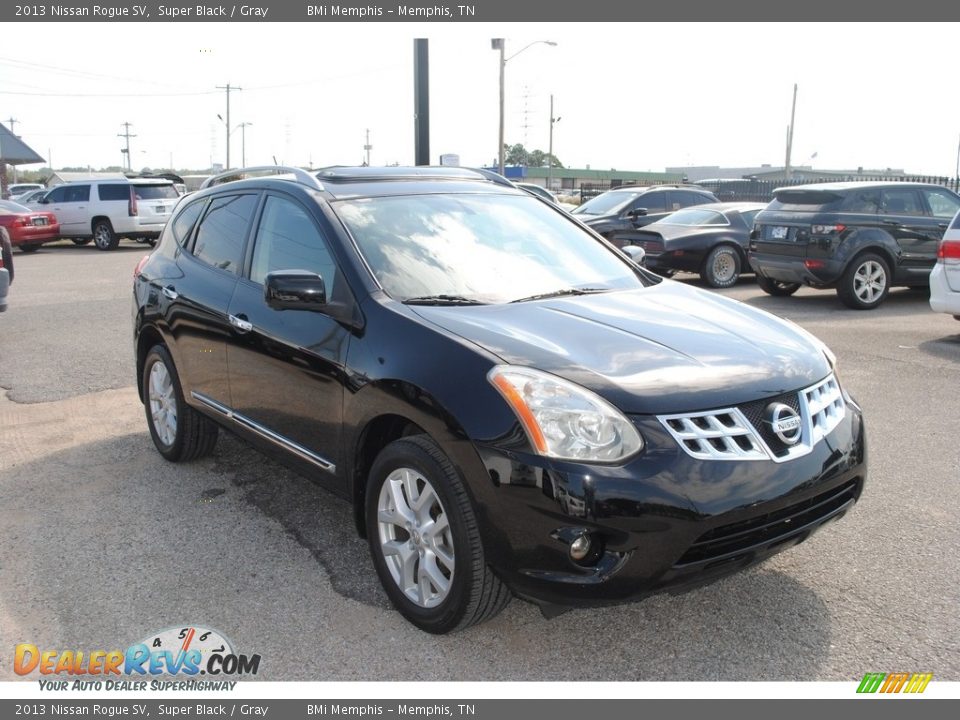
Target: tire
440	583
865	282
81	241
777	288
29	248
103	235
721	269
187	435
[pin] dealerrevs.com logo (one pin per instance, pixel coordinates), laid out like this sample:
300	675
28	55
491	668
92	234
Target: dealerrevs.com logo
178	651
902	682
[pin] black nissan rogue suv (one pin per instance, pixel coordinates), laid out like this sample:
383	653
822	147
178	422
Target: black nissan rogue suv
861	238
511	405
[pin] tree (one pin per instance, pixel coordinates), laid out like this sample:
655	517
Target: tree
519	155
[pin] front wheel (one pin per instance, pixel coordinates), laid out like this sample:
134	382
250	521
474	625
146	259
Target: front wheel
721	269
104	237
777	288
179	432
425	541
865	282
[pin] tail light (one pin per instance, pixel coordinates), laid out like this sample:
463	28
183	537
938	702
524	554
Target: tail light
139	267
814	264
949	252
827	229
132	205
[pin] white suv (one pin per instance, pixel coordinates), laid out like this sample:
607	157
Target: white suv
106	210
945	276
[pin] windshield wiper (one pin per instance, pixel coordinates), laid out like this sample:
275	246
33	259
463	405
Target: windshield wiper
442	300
562	293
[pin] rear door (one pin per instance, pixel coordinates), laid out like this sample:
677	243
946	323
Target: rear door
196	301
904	215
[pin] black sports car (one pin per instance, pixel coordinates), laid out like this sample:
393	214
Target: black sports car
707	239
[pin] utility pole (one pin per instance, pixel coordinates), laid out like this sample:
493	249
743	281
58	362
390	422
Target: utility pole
553	121
228	87
243	142
126	151
13	120
368	147
421	101
500	44
793	112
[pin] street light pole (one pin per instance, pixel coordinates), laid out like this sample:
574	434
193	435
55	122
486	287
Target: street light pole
243	142
553	121
500	44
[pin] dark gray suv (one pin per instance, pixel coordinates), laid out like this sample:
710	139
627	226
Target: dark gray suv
861	238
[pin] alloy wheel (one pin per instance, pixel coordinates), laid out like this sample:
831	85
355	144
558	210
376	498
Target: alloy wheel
415	537
163	403
869	282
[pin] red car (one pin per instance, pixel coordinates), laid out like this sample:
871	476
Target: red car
29	229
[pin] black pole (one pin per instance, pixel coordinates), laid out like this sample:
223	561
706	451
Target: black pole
421	101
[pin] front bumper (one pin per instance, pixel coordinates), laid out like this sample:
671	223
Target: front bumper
666	521
791	269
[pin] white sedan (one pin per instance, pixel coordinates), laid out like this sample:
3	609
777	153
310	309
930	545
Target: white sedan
945	277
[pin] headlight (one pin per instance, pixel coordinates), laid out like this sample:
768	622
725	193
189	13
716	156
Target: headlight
564	420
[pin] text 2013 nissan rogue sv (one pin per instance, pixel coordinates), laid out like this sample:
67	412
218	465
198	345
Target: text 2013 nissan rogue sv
511	405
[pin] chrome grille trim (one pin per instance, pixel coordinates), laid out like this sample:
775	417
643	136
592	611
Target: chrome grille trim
727	434
701	433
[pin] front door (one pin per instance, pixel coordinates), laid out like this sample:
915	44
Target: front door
71	205
286	366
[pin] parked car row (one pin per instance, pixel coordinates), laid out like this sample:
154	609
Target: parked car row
101	211
859	238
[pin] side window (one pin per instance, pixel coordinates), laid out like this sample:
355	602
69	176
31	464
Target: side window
897	201
57	195
862	201
287	239
184	222
77	193
220	237
942	204
652	201
114	191
684	198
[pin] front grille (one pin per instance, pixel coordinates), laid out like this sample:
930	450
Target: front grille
745	433
768	530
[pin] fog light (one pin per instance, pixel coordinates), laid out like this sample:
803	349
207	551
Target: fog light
580	548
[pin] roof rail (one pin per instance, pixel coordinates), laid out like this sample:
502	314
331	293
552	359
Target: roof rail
302	176
494	177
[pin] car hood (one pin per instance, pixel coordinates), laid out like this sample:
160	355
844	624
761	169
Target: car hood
662	349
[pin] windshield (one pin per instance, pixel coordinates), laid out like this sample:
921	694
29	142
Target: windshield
609	202
479	248
156	192
695	216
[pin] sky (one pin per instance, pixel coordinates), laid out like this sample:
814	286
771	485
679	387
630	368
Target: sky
629	96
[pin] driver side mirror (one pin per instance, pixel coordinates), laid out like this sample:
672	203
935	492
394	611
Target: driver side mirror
294	290
635	253
637	212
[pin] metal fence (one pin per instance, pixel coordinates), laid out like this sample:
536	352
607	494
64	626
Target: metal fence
754	190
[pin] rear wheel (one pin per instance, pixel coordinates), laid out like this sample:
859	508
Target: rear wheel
81	241
425	541
865	283
179	432
721	269
777	288
103	235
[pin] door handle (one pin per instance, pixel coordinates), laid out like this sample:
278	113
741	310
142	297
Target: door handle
170	293
240	323
942	226
892	222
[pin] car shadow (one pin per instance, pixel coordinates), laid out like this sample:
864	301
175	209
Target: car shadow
947	348
105	542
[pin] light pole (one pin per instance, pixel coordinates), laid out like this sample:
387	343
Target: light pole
243	142
500	44
553	121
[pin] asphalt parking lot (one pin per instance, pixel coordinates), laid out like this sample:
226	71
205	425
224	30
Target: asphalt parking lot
102	542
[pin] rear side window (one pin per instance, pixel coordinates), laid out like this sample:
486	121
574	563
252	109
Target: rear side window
220	236
955	225
156	192
942	204
900	201
185	221
863	201
114	192
287	239
684	198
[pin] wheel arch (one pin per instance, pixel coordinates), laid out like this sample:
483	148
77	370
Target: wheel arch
97	218
147	337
